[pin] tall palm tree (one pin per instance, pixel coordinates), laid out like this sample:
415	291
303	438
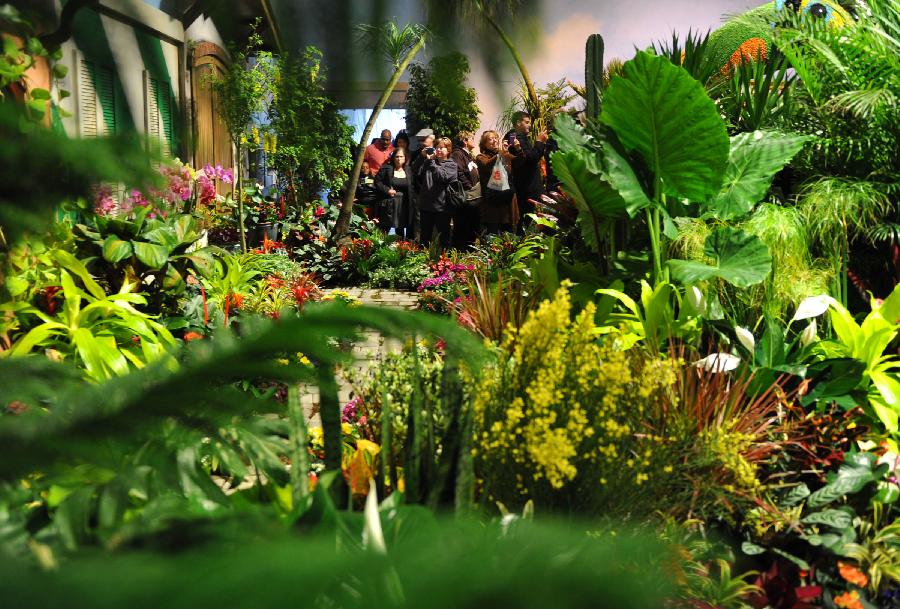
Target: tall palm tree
399	47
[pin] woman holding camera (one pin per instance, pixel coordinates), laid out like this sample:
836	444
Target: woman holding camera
435	174
466	219
495	172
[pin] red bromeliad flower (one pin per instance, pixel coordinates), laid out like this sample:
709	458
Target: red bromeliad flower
50	293
189	336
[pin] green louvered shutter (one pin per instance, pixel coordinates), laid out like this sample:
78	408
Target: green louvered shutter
159	113
97	103
106	95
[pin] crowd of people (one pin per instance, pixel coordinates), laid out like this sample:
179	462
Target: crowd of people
442	190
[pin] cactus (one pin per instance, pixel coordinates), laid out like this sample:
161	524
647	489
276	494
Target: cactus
593	75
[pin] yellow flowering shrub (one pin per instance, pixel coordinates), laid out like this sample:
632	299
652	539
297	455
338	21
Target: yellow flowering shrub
574	424
560	410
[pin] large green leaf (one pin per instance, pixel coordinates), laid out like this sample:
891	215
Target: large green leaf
568	134
163	235
622	176
754	160
151	254
855	473
115	249
74	265
658	110
204	260
588	186
741	259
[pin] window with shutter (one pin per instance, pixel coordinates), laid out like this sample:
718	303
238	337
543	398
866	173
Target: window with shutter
87	101
159	113
106	96
97	112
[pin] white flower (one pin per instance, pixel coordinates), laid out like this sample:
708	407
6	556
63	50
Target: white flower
745	337
695	298
809	334
719	362
891	459
812	307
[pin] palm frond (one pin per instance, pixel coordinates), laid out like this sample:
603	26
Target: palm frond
391	42
862	103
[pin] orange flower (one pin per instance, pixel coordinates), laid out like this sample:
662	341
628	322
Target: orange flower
753	49
237	300
853	574
189	336
848	600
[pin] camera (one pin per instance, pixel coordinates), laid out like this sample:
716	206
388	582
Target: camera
430	150
511	139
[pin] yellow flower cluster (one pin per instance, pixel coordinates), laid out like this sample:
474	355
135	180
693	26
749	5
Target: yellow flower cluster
559	406
727	448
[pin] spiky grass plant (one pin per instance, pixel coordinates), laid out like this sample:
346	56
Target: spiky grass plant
795	273
836	211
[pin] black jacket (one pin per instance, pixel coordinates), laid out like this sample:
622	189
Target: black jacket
462	158
366	191
526	166
434	177
385	176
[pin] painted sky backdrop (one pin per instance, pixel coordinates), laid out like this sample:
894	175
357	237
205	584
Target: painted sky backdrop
623	25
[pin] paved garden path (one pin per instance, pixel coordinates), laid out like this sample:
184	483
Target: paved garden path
368	350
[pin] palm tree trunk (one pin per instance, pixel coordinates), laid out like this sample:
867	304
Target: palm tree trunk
342	226
529	84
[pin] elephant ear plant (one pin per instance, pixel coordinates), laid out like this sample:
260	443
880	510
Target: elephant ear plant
157	251
671	132
662	147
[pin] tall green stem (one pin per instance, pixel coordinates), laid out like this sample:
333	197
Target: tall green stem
526	77
240	195
655	246
845	259
342	226
299	440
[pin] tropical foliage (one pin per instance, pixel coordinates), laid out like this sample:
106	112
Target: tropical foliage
695	337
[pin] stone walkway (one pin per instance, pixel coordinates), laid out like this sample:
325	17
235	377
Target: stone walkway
368	350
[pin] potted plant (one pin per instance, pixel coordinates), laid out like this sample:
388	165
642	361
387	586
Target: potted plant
261	215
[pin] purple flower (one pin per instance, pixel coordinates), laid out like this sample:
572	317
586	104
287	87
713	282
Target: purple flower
104	204
350	411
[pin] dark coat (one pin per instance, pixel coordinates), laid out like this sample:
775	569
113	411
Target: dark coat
433	179
400	212
366	191
384	177
526	167
462	158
